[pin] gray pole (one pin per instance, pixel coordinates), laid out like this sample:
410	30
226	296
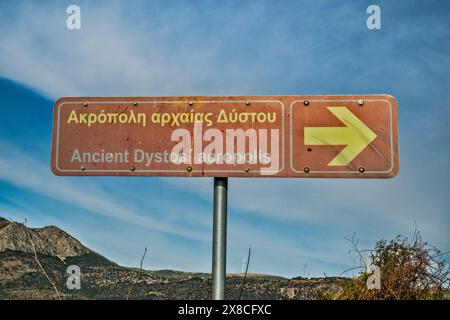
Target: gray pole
219	238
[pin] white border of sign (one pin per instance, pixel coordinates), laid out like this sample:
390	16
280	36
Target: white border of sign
170	102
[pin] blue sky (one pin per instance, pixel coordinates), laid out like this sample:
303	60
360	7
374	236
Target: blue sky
227	48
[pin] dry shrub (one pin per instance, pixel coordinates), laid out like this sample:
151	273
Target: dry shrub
409	270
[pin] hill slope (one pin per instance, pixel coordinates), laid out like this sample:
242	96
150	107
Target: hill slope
49	240
22	277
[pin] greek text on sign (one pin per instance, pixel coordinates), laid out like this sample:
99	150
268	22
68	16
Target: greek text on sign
250	136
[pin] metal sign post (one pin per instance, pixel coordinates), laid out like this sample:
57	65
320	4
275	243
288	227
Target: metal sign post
219	238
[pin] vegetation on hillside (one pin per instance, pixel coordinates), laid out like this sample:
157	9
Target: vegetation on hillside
408	270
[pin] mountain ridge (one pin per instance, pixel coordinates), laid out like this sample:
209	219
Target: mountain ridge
34	262
49	240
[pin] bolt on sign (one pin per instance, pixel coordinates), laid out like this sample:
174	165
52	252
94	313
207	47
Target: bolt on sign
351	136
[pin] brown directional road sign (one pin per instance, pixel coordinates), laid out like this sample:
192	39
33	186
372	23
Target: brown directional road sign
351	136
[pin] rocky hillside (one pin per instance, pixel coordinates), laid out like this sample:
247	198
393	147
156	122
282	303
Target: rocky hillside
49	240
26	276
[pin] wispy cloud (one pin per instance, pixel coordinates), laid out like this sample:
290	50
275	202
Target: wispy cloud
18	169
26	172
377	208
264	47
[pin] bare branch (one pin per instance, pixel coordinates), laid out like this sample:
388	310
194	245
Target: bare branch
138	274
245	275
39	263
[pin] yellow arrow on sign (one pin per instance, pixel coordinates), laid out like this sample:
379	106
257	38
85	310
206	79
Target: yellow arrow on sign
356	136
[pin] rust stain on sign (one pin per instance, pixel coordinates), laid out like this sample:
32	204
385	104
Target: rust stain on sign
352	136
